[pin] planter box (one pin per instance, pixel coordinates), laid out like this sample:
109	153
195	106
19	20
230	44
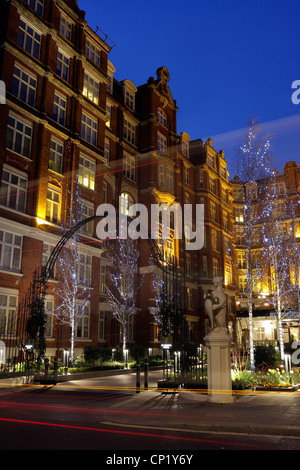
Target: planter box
292	388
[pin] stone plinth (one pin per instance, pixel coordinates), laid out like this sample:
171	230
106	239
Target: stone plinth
219	366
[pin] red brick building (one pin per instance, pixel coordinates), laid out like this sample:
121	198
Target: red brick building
67	117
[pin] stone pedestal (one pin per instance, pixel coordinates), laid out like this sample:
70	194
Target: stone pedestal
219	366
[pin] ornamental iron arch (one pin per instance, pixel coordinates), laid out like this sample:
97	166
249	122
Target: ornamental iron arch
25	331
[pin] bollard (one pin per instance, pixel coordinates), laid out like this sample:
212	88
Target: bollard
146	373
138	377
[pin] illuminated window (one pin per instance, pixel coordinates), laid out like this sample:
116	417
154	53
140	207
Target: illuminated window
126	201
228	274
49	309
91	88
212	185
85	269
53	204
87	172
103	279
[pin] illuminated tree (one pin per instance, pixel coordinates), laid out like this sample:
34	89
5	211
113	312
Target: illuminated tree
74	275
254	163
277	248
124	283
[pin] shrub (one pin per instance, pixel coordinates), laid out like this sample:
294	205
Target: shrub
266	357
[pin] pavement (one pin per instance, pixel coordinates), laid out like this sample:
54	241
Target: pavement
251	411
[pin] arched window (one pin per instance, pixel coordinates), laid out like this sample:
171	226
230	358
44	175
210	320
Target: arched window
125	202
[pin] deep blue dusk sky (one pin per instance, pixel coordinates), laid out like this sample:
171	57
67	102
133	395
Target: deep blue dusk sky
228	61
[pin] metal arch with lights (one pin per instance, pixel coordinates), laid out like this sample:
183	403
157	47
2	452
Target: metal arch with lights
31	309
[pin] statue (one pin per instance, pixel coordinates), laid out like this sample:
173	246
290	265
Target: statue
215	306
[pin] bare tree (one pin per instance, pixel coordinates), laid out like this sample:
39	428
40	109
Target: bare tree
74	271
254	163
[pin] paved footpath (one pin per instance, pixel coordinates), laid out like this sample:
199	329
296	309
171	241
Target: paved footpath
259	412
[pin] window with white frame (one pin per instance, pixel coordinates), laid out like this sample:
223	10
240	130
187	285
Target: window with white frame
226	220
56	155
161	143
13	189
129	99
29	39
212	185
36	5
215	267
65	28
169	178
59	108
106	151
239	214
211	160
10	250
53	204
8	311
129	166
86	211
87	172
161	117
101	325
83	319
89	129
63	65
92	52
213	211
187	172
19	135
91	88
85	269
185	148
129	131
243	283
24	85
49	309
228	274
